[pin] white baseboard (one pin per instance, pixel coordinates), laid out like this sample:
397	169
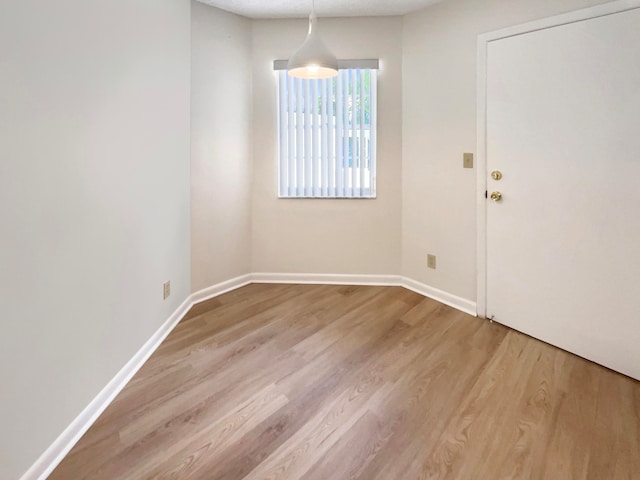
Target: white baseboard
50	459
467	306
326	279
53	455
220	288
462	304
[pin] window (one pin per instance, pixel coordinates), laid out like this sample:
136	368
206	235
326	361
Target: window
327	134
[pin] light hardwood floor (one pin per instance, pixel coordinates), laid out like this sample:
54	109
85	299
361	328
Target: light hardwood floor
334	382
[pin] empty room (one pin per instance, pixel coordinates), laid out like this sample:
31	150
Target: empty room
320	239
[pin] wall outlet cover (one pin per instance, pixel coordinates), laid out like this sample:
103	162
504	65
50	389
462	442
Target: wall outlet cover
467	160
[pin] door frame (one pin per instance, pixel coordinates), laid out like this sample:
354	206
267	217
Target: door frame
484	39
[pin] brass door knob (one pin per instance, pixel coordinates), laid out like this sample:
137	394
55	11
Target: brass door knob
496	196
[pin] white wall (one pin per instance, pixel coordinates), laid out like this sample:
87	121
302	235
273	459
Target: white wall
328	236
94	201
221	107
439	124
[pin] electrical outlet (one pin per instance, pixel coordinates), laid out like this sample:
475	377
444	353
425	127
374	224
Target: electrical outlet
166	289
467	160
431	261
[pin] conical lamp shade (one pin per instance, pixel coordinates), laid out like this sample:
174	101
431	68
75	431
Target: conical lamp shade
313	59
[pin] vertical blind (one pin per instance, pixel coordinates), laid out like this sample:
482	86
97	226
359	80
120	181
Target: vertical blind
327	135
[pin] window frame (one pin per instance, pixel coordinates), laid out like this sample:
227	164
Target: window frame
361	180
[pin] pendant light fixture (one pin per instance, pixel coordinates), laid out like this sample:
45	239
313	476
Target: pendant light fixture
313	59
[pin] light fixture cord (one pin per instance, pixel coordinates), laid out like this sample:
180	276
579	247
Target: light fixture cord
312	16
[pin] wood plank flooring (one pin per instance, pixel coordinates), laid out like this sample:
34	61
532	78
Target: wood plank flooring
337	382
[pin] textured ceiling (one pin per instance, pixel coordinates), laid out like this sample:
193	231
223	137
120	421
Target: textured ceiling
324	8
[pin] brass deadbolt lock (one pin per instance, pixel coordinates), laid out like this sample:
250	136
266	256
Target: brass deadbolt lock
496	175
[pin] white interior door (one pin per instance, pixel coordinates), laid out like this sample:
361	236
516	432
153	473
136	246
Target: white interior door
563	127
